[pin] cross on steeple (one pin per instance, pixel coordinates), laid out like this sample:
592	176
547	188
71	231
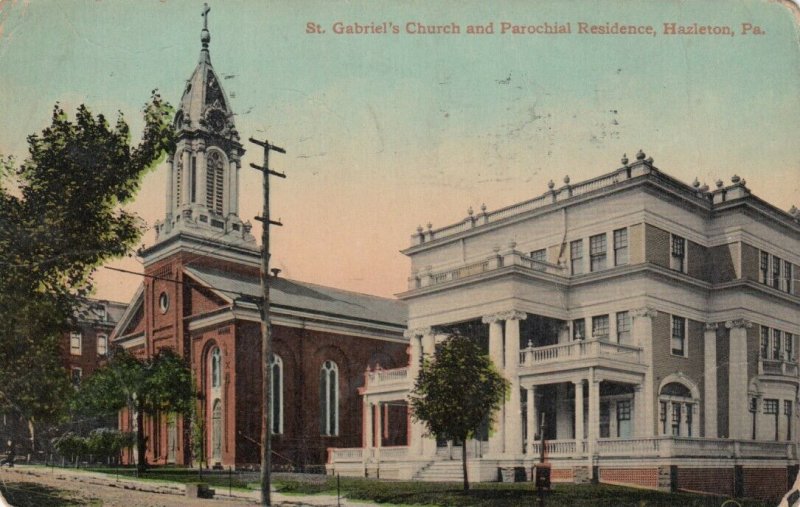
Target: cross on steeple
206	10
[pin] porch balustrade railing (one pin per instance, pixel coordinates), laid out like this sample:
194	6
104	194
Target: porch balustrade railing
551	196
580	349
499	260
777	367
662	446
382	377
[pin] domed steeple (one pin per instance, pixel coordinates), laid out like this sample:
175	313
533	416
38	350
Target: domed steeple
203	182
204	105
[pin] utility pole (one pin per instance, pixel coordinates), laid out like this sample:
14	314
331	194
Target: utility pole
266	345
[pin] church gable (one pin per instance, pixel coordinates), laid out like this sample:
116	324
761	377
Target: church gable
132	320
201	299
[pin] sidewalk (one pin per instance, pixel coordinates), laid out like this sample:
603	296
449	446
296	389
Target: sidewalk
174	489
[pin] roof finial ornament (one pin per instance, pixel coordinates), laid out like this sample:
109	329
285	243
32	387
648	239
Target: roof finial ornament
205	36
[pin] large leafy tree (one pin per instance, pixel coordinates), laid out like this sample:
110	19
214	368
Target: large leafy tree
457	391
60	218
160	384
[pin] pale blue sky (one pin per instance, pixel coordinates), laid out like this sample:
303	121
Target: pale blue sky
385	132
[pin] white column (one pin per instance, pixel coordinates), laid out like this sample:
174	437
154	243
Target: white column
594	414
496	439
513	411
378	425
710	380
579	431
642	329
532	420
417	429
368	434
737	379
639	410
428	349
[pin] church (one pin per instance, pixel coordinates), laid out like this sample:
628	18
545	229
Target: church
199	298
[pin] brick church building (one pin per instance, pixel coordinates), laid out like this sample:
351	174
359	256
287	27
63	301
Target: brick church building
198	298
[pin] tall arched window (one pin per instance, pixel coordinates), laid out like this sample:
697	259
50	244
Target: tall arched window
216	431
215	177
276	395
178	168
677	410
329	398
216	368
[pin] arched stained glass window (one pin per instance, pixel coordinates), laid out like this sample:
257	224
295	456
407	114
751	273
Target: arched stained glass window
216	368
276	395
329	398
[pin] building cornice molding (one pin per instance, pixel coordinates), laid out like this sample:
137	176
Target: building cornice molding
738	324
644	311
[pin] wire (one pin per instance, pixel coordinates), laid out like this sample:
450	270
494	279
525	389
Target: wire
250	297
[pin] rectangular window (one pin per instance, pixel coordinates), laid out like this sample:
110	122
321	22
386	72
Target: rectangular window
678	336
776	272
539	256
75	376
102	344
753	405
771	407
576	256
620	247
597	252
678	253
662	416
75	343
787	276
776	344
689	407
787	411
676	419
764	342
600	327
789	346
623	327
763	268
578	329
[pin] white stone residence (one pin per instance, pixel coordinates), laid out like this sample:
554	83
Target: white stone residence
650	324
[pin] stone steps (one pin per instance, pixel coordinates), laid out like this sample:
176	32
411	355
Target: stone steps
441	471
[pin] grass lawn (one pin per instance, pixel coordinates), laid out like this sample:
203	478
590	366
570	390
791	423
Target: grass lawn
442	494
25	494
501	495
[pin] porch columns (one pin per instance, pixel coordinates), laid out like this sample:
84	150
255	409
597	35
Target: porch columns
710	380
643	337
378	430
737	383
416	428
513	410
368	435
594	414
428	342
496	439
579	431
639	412
532	420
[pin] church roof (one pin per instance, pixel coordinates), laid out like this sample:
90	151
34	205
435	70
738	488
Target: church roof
292	294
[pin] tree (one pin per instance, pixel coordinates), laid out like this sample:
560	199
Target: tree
457	391
160	384
60	218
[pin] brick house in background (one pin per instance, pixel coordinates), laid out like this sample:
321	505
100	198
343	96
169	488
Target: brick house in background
652	325
198	298
86	346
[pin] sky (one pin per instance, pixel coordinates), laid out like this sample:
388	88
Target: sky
385	132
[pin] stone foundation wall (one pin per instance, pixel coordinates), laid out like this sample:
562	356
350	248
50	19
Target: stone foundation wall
708	480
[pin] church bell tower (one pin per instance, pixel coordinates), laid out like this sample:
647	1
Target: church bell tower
202	198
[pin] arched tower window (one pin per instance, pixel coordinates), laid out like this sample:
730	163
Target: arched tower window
329	398
216	368
276	395
215	179
178	168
